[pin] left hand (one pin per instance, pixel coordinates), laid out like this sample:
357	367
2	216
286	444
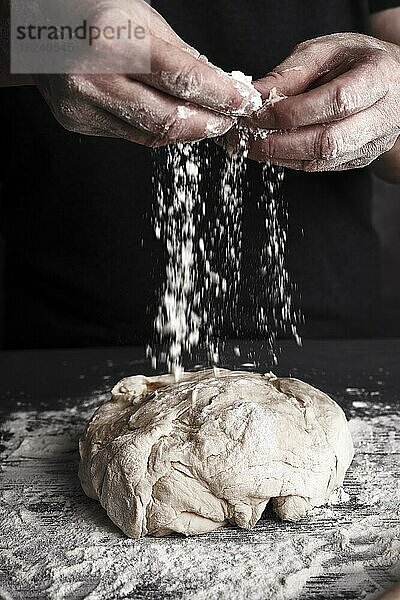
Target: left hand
342	109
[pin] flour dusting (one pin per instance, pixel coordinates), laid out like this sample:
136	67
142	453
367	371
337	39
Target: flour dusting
57	544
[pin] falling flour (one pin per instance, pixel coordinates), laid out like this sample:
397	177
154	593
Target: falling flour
226	237
277	312
178	320
200	300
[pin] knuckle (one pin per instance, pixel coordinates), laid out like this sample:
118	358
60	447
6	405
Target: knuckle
313	43
277	76
328	144
188	81
107	17
344	101
107	13
379	56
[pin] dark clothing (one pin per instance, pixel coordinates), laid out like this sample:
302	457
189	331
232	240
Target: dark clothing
83	266
378	5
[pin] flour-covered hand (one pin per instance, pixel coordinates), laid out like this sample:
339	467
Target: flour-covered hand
180	97
393	594
342	105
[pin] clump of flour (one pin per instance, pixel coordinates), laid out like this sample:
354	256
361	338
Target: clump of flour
250	93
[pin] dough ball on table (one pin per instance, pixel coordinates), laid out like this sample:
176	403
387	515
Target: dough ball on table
212	449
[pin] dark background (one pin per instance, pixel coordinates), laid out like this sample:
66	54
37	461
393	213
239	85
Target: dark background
386	219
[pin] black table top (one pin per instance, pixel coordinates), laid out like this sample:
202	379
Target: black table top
58	378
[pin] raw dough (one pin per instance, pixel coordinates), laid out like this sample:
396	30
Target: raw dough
214	448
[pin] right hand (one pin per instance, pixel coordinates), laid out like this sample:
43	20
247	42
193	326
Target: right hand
393	594
183	99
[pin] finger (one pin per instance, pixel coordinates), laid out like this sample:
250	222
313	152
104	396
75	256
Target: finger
365	156
116	128
393	594
93	121
313	61
156	113
324	142
120	130
322	63
180	74
174	67
346	95
297	72
109	126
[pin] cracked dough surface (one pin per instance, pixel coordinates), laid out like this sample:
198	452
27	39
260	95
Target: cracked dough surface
212	449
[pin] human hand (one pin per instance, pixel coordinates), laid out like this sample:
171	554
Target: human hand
184	98
342	109
393	594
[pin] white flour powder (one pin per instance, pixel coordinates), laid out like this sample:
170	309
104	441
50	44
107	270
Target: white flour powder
178	321
198	301
277	312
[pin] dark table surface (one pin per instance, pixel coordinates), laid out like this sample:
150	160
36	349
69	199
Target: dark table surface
40	389
58	378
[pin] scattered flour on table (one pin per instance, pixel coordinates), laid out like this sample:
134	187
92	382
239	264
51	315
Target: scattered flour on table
56	544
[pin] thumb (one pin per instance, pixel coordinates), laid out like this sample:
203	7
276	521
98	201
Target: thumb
308	63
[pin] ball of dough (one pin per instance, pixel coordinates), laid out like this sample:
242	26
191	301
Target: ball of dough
214	448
